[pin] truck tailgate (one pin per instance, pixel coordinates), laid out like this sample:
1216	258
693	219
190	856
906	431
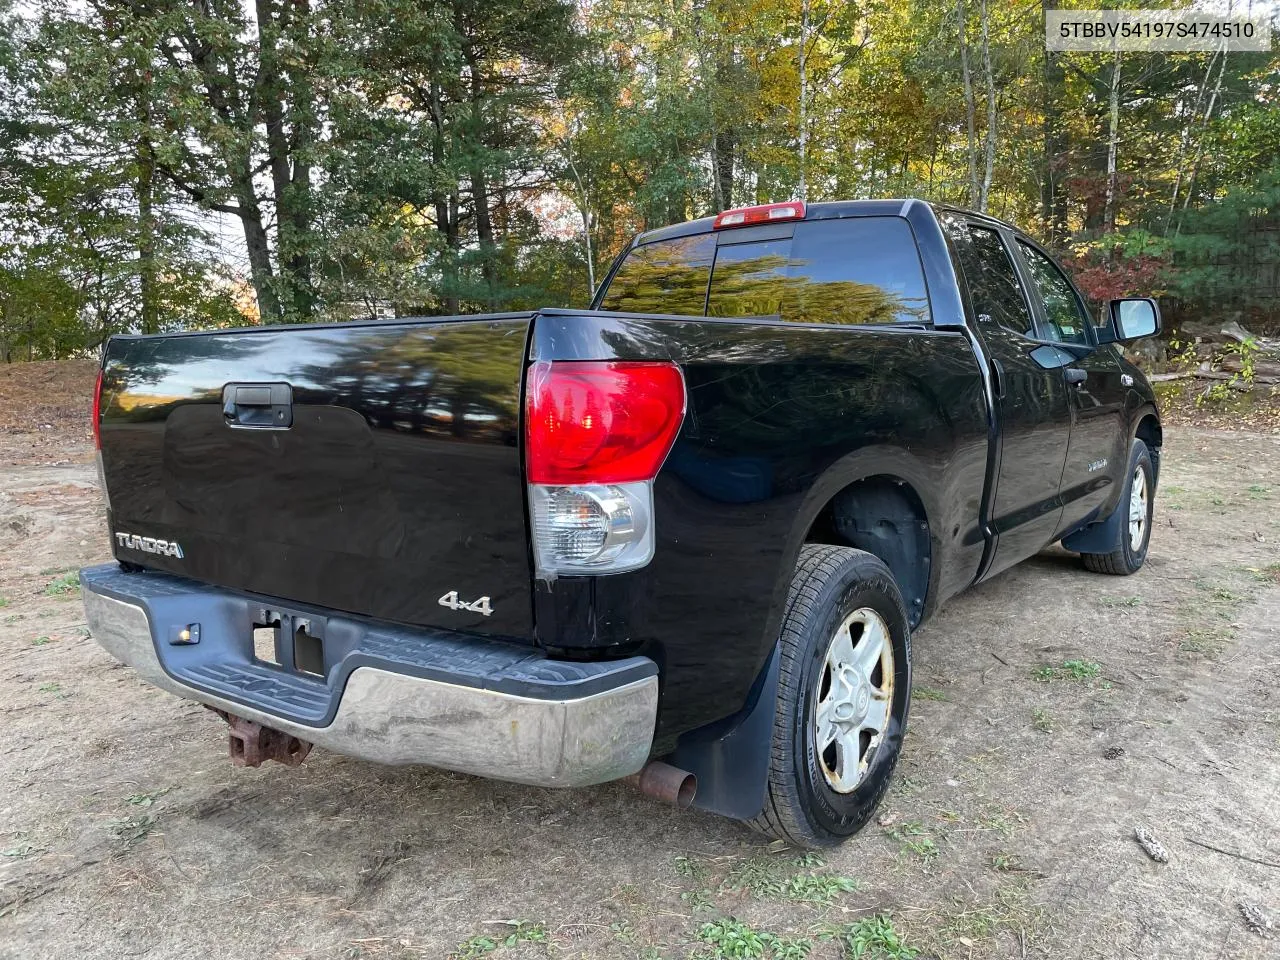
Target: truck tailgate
372	468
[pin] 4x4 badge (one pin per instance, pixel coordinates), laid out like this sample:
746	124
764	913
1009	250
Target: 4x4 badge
451	601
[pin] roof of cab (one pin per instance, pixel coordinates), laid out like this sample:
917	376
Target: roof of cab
813	211
825	211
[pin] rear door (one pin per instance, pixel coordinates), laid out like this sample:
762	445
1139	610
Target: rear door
369	468
1097	454
1031	392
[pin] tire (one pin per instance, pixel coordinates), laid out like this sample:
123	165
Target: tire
815	798
1129	551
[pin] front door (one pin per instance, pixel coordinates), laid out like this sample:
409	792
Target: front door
1097	457
1032	396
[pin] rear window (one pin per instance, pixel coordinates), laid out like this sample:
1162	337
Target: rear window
850	271
669	276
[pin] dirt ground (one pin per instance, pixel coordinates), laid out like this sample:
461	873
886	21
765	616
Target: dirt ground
1055	712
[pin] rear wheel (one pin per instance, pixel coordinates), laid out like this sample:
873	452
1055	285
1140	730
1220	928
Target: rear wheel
1133	533
844	685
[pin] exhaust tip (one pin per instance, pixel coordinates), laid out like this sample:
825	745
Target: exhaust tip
664	782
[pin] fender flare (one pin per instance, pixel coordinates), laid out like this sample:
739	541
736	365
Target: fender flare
730	757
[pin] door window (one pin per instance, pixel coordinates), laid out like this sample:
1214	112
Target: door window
993	281
1064	314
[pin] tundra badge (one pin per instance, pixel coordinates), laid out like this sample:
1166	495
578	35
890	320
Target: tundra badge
166	548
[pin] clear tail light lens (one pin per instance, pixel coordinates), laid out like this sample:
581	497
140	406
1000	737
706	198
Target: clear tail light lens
596	434
592	529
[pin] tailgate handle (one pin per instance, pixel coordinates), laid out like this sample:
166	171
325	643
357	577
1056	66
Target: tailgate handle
265	406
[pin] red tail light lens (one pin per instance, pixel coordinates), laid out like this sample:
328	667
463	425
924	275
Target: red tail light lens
97	412
600	421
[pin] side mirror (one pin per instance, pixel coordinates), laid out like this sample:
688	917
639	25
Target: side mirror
1132	318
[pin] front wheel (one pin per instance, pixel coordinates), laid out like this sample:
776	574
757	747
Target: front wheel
1133	532
844	685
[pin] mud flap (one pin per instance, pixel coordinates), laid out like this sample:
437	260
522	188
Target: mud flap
730	757
1102	535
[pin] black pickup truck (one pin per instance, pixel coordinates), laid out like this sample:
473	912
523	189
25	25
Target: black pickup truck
681	537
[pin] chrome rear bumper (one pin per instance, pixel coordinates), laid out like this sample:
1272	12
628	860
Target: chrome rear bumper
389	716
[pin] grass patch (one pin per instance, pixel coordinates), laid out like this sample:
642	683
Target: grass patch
1077	670
21	850
1204	643
928	693
974	926
775	878
52	687
914	837
874	938
691	867
63	586
699	901
1268	574
1120	601
1042	720
482	945
132	830
1223	601
731	939
41	641
146	799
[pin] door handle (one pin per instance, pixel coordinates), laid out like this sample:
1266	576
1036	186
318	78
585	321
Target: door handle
997	378
263	406
1076	375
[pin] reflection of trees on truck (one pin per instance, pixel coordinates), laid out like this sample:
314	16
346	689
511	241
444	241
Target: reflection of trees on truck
434	378
823	271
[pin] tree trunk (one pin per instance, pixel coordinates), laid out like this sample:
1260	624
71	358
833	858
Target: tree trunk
260	272
584	211
989	163
726	144
147	292
290	174
446	206
1204	130
1113	139
484	233
139	90
968	104
1185	140
479	179
1053	199
804	107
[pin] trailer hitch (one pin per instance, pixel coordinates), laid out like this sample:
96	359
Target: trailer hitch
251	744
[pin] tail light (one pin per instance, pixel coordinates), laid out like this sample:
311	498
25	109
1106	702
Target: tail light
596	434
97	412
765	213
97	440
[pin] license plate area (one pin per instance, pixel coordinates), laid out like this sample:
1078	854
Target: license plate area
291	641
